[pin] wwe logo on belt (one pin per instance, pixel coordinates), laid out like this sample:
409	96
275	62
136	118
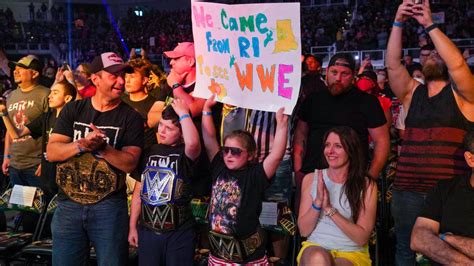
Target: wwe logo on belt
157	185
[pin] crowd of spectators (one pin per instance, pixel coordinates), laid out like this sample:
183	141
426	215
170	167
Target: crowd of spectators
363	27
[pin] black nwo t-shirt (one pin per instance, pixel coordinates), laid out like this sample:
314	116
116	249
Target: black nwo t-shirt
122	126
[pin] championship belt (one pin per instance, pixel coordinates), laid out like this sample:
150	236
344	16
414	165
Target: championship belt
165	199
229	248
86	179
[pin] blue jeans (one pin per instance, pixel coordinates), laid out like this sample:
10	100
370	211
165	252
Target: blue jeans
167	249
24	177
104	225
406	206
280	187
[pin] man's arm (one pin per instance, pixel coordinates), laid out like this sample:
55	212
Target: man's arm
299	144
60	148
399	79
447	50
465	245
424	239
125	159
381	139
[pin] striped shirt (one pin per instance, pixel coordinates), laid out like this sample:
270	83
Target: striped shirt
432	148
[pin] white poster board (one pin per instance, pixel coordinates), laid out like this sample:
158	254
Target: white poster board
248	55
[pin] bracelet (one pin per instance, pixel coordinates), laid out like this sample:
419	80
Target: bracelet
315	207
8	156
330	212
398	24
442	237
206	113
4	114
81	150
184	117
431	27
176	85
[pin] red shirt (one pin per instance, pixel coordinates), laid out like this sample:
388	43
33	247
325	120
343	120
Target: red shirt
87	91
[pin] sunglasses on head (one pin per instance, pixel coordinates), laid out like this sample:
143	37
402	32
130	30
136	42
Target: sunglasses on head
233	151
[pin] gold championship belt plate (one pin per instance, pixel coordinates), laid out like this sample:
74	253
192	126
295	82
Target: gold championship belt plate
86	179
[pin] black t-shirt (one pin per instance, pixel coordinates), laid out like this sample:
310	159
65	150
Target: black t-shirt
174	158
122	126
236	201
451	204
43	127
322	111
143	107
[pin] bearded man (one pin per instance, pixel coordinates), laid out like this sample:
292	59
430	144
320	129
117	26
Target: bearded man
439	114
341	105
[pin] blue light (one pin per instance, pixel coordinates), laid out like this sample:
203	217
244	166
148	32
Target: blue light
114	24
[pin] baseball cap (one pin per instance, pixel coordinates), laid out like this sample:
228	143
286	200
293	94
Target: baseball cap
111	63
28	62
347	57
182	49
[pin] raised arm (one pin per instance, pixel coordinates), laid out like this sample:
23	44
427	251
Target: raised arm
424	239
192	144
271	162
209	130
399	79
154	115
12	130
447	50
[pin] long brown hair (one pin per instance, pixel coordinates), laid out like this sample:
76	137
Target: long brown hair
355	186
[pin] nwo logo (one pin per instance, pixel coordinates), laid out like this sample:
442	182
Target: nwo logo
81	130
170	161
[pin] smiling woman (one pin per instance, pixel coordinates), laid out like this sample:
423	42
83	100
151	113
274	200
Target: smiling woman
338	204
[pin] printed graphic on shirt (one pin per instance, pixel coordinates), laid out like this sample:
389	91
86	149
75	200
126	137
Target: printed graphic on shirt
226	198
82	129
19	116
158	180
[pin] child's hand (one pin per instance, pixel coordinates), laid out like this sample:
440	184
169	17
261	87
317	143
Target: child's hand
180	107
281	118
133	237
209	103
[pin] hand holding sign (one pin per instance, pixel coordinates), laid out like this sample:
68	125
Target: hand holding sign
248	55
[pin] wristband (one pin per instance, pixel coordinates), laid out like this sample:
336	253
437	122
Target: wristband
315	207
442	237
81	150
184	117
176	85
8	156
430	28
206	113
398	24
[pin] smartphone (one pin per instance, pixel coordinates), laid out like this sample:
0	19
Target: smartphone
416	2
138	51
65	66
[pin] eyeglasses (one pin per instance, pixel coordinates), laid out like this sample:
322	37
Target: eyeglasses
233	151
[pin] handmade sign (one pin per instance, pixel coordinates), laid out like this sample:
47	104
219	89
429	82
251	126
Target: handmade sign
248	55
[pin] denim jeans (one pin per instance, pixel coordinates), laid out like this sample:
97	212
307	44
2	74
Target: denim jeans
406	206
24	177
280	187
104	225
167	249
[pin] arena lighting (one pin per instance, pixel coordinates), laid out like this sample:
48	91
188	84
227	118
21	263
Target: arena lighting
356	57
69	30
114	24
